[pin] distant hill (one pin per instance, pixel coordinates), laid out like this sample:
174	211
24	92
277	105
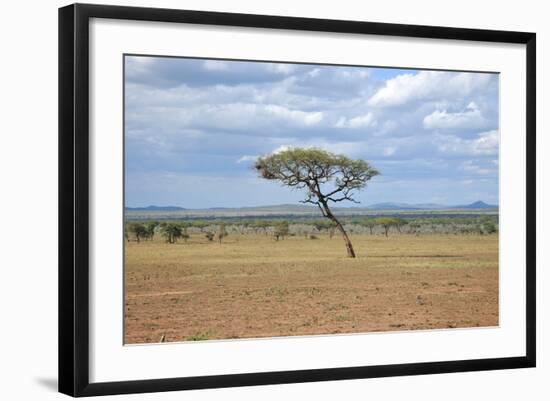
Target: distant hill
406	206
153	208
385	208
428	206
477	205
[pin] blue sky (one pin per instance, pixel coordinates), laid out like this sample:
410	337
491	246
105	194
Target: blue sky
193	128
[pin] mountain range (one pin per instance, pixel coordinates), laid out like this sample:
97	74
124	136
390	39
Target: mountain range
377	206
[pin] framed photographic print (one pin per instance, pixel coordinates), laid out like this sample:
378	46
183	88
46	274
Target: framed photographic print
251	199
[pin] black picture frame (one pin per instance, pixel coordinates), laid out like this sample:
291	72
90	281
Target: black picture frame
74	198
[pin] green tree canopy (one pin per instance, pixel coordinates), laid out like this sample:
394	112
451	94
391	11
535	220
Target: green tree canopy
326	177
281	229
138	229
387	222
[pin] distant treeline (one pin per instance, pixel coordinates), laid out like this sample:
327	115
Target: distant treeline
217	229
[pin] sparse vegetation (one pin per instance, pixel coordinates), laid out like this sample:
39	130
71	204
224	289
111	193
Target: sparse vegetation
424	224
198	337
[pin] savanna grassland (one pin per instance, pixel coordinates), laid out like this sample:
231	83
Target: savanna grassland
253	286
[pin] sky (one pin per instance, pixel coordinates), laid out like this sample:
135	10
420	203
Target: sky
193	128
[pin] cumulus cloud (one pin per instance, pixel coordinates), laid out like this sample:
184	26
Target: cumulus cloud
296	116
211	118
487	143
366	120
470	118
473	167
283	69
428	85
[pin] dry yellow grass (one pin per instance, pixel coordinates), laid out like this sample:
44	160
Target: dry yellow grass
253	286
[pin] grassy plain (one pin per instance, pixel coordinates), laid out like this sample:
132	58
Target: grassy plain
253	286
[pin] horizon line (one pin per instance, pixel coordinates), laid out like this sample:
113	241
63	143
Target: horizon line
312	206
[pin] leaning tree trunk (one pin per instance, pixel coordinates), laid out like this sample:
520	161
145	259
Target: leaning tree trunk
340	227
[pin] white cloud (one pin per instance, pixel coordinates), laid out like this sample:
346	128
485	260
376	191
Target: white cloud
314	73
485	144
280	149
297	116
283	69
143	60
136	66
363	121
470	166
467	119
427	85
246	158
388	151
347	148
352	75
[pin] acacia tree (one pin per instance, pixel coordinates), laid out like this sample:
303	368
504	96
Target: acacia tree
386	222
261	225
327	226
327	178
369	223
281	230
222	232
151	227
399	223
171	231
139	230
201	225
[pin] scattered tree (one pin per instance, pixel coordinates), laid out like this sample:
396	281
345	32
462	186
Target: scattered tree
171	231
138	229
151	227
184	234
489	227
201	225
327	177
222	232
369	223
281	230
414	228
386	223
261	225
399	223
323	225
243	226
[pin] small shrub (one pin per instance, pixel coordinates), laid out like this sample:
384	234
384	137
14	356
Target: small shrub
198	337
311	236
